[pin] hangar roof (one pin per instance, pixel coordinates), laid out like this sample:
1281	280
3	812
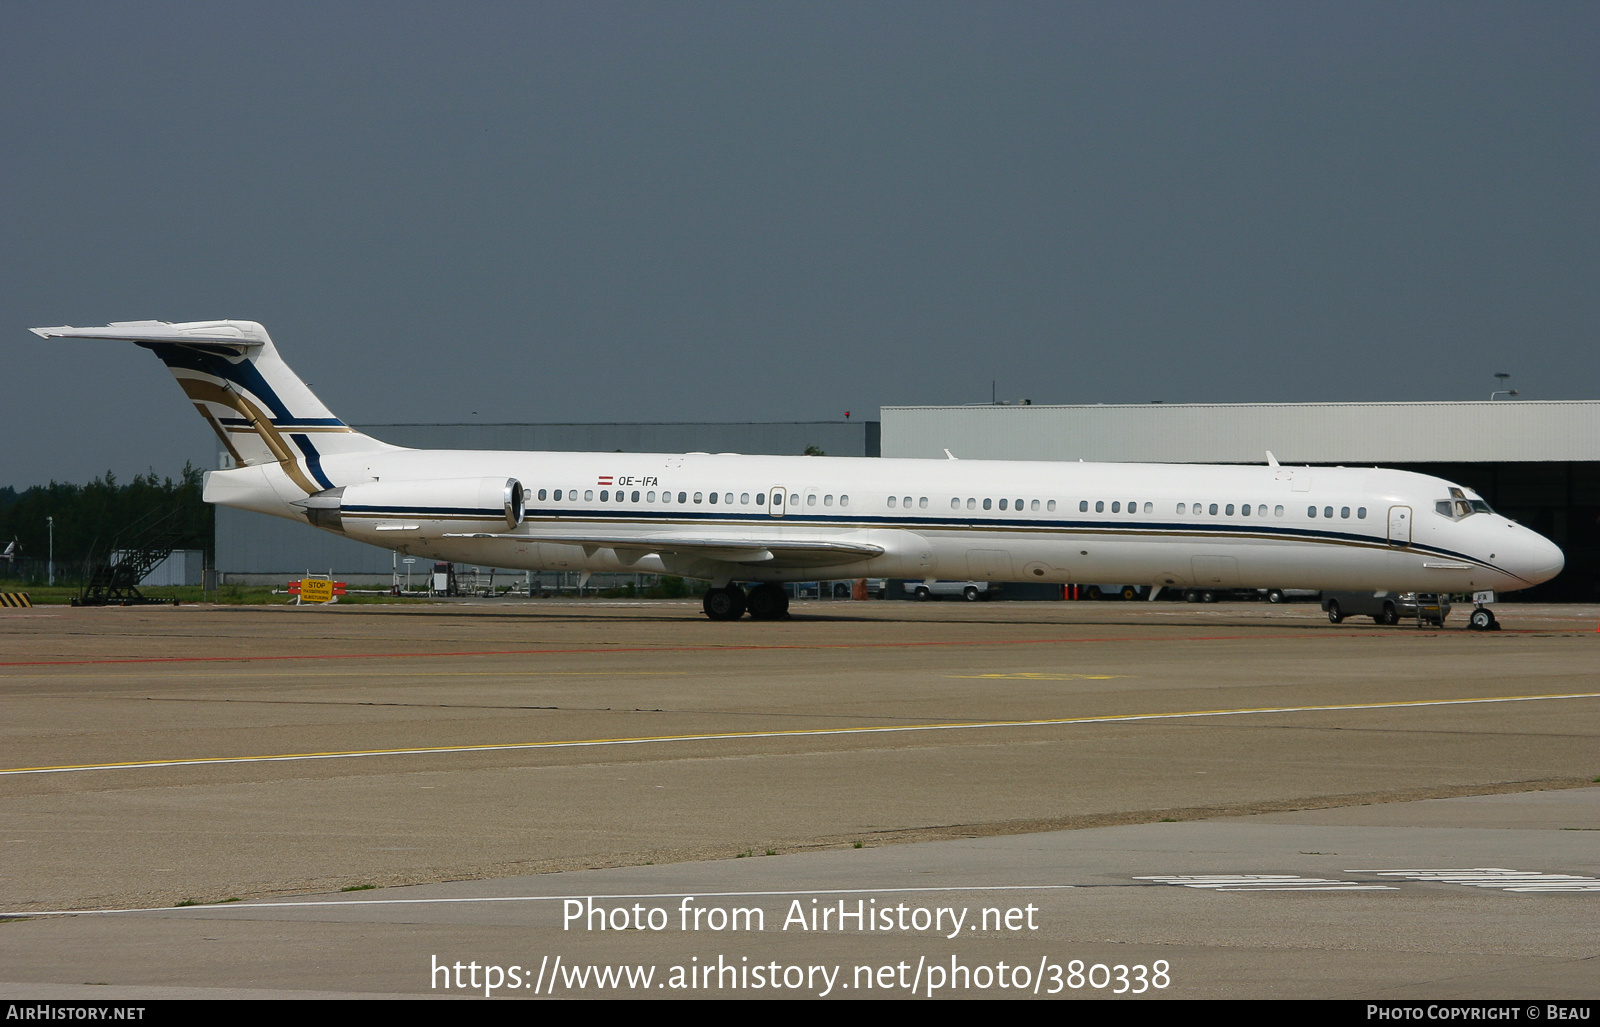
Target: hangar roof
1321	433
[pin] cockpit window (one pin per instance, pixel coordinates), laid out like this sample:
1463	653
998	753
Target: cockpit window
1459	506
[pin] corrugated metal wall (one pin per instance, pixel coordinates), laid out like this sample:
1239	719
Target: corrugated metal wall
1323	433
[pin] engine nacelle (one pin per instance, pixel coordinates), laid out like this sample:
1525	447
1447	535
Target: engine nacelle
464	504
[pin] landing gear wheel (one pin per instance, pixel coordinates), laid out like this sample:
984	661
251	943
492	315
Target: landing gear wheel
1335	614
768	602
724	603
1482	619
970	594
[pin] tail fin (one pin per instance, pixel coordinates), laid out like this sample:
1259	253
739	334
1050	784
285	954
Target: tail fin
261	410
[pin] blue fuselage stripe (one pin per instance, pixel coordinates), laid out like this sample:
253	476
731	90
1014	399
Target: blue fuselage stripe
313	459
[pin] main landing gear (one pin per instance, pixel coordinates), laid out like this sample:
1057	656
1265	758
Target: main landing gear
765	602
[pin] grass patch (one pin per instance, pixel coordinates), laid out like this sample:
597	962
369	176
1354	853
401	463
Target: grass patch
359	887
858	845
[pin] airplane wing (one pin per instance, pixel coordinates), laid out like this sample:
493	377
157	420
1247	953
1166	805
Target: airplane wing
731	550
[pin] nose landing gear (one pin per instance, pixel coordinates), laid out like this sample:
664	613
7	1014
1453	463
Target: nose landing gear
1482	619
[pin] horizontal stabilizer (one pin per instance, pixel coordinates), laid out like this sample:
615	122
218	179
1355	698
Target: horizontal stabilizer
237	335
262	412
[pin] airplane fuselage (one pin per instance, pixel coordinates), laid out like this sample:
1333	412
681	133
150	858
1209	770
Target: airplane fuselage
1161	524
769	519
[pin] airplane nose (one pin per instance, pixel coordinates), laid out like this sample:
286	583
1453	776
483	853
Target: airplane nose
1537	558
1551	560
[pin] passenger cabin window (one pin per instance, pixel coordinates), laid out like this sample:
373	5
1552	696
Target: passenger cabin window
1083	506
1099	506
1213	509
1277	511
1361	513
1183	508
1311	511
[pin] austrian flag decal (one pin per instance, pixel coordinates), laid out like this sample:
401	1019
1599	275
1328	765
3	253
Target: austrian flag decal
604	481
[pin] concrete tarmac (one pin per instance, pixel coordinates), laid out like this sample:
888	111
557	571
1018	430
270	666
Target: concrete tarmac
157	756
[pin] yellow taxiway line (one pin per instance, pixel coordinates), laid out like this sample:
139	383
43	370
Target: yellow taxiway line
793	733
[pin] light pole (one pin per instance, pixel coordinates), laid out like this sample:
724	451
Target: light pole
51	521
1504	379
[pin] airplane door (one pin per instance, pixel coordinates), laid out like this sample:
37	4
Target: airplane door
775	500
1399	525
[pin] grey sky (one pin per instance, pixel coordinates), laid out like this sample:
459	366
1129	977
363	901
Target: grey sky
696	211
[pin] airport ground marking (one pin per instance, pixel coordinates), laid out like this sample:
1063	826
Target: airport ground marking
810	647
203	907
866	729
1032	675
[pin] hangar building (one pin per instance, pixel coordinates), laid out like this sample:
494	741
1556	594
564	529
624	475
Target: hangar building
1535	461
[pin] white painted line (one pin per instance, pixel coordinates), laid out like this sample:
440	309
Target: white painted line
1495	877
212	907
1264	882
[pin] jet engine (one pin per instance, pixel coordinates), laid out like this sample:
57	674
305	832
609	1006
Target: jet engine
465	503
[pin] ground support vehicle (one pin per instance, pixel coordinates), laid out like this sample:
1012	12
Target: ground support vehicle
1387	607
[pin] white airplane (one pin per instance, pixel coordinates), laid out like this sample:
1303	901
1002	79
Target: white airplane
764	520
